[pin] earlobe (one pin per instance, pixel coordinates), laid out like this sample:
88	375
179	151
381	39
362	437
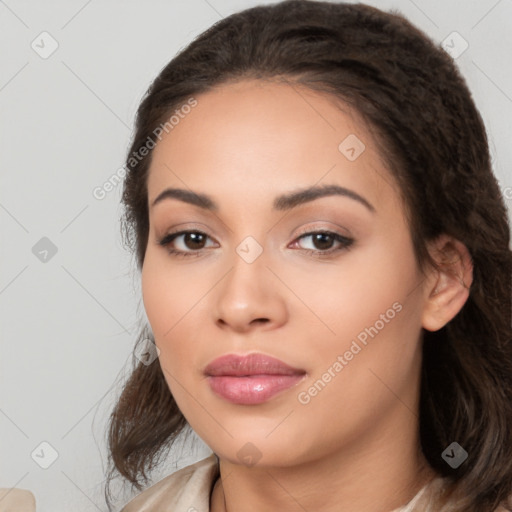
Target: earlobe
448	286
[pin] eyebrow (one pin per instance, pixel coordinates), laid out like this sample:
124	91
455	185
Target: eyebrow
282	202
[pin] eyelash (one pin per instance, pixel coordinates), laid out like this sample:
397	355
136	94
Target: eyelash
345	242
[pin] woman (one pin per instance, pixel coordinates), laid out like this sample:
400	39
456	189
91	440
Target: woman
325	269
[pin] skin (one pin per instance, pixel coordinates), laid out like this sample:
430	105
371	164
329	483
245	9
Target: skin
357	439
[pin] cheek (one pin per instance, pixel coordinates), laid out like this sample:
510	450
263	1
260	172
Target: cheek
159	299
368	306
345	297
173	301
169	293
163	309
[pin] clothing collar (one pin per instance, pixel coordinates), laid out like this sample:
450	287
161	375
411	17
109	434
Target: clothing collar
189	490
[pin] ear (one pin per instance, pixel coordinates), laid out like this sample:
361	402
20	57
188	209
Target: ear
448	286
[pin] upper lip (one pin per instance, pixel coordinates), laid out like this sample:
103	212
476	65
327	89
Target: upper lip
250	364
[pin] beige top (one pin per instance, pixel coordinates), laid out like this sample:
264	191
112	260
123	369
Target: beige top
189	489
17	500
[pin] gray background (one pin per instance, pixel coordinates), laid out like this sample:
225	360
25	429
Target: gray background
68	324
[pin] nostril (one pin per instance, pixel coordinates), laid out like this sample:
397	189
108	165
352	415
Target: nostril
261	320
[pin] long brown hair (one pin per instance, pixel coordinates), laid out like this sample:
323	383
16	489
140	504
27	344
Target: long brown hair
434	141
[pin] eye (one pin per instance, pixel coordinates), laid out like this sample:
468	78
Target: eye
323	241
193	240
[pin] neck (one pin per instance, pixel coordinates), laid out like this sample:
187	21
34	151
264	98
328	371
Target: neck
382	473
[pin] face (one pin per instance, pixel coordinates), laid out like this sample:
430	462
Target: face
327	285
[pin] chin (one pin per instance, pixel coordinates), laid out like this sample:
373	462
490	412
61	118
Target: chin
255	448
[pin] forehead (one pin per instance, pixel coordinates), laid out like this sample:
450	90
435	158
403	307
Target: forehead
258	138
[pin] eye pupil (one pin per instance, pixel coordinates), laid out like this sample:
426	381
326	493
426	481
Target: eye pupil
318	238
196	240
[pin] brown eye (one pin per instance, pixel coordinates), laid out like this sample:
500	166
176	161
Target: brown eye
194	240
323	241
189	242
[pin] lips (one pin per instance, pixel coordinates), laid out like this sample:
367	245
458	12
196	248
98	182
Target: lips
251	379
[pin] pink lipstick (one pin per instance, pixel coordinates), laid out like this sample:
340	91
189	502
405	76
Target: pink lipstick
251	379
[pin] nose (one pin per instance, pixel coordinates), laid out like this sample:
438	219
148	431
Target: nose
249	297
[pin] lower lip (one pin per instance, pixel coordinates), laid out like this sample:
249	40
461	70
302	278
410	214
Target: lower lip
251	389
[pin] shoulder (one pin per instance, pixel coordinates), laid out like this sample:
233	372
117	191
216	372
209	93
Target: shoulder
186	490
